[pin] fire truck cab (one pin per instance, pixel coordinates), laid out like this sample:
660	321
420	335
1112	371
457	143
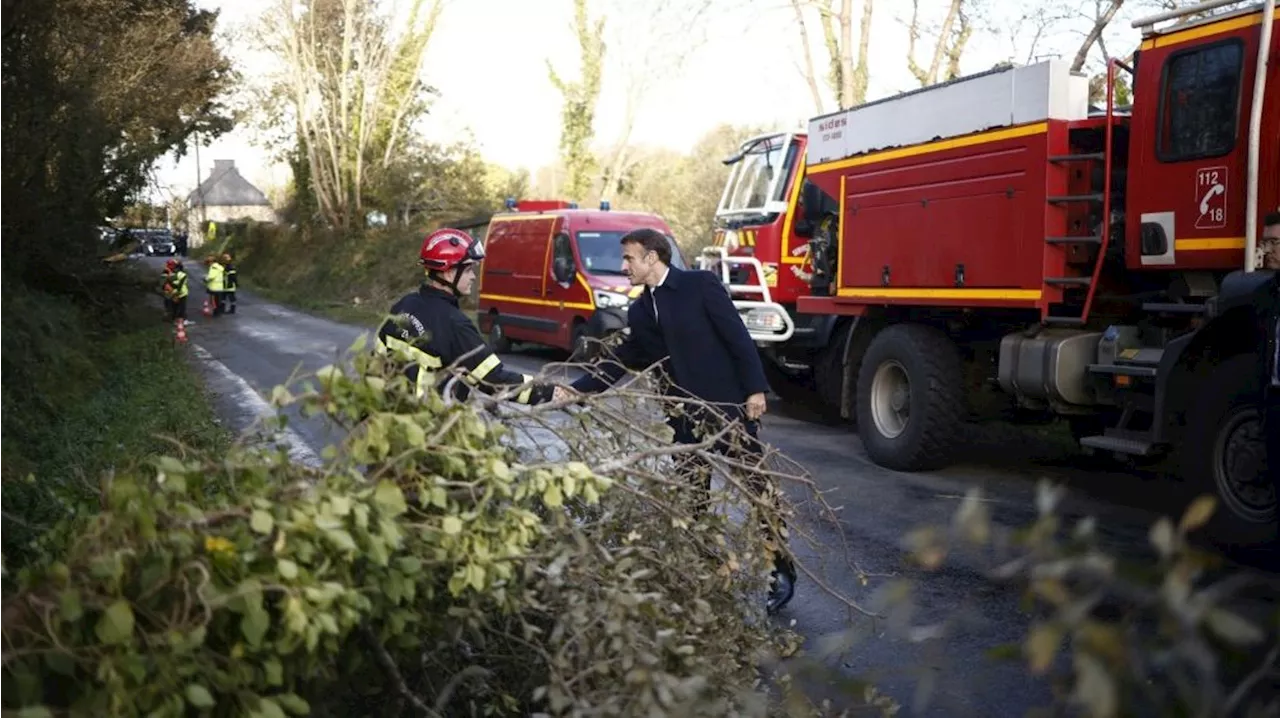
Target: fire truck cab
552	274
999	245
761	250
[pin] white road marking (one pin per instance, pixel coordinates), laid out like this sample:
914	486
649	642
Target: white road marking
248	397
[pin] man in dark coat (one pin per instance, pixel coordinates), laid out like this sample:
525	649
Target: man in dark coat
686	320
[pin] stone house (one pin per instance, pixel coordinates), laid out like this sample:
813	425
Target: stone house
225	196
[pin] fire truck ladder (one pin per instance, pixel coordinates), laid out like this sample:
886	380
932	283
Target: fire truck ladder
1077	313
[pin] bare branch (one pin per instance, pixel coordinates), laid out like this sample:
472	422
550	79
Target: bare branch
809	75
1095	33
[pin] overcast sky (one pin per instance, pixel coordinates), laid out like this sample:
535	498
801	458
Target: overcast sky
488	59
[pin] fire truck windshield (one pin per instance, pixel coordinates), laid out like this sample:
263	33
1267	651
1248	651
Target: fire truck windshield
758	180
601	252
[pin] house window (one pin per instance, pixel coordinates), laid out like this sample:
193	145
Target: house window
1200	102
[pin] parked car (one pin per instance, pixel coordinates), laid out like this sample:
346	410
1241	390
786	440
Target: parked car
157	242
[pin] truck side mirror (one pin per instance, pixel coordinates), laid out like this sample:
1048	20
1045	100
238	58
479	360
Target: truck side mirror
814	200
562	269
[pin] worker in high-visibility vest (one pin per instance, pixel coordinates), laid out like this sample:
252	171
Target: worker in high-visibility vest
214	283
176	290
229	283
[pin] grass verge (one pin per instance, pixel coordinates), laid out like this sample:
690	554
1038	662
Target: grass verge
94	384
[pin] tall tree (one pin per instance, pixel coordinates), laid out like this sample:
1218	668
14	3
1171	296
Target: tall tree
86	113
1104	12
651	43
847	80
952	37
580	99
353	80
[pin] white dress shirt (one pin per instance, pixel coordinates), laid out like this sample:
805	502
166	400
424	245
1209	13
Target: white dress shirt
653	297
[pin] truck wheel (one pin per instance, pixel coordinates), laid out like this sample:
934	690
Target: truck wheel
1226	455
910	398
497	338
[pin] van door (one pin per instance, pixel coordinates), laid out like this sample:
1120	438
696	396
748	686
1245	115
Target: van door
567	289
514	272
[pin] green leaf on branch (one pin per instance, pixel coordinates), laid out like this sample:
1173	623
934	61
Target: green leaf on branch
116	624
199	697
390	499
1233	628
342	539
1042	645
451	525
552	496
294	703
254	626
1198	513
261	522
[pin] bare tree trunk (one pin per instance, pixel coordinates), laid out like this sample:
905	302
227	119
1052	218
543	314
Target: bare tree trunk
836	69
670	30
809	74
1101	21
621	153
846	53
957	47
946	46
353	80
950	44
862	72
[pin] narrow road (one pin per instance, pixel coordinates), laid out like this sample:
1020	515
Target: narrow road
264	344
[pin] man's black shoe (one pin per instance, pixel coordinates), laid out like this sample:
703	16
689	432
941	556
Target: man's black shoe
782	586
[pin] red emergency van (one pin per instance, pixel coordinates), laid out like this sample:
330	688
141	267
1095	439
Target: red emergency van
552	274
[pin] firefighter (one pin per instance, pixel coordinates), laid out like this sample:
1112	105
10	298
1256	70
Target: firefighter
229	283
178	291
213	283
429	330
166	288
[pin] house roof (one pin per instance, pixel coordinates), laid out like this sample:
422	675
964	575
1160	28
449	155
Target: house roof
226	188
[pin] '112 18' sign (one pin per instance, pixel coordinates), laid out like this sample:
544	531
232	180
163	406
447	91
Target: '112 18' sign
1211	196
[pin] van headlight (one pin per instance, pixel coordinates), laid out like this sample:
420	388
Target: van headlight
611	300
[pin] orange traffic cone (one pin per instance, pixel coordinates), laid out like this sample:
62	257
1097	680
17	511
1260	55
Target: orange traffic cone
207	310
180	331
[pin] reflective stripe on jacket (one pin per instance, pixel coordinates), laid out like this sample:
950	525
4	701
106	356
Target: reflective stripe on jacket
179	284
427	330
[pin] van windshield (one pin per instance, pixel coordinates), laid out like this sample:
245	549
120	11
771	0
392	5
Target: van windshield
601	252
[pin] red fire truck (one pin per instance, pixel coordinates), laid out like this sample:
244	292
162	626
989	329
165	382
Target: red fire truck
998	245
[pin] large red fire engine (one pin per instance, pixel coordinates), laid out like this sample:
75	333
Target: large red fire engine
997	245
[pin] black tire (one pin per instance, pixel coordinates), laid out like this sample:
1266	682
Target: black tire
497	338
1224	442
933	398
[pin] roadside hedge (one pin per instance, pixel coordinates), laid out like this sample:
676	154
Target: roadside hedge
422	569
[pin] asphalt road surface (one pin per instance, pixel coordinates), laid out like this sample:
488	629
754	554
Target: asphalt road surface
264	344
